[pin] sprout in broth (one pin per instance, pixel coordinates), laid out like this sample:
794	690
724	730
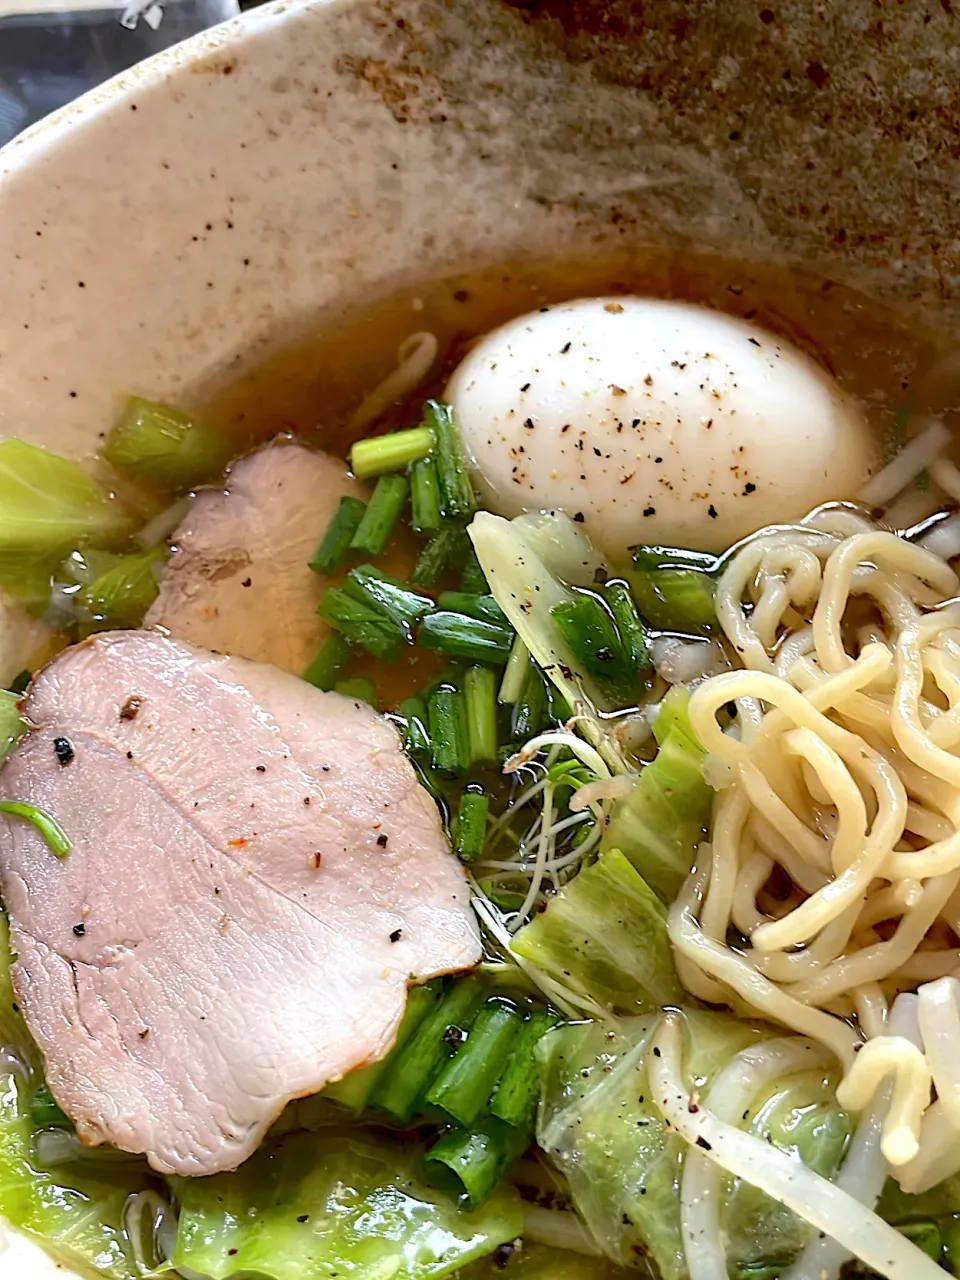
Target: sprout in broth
612	702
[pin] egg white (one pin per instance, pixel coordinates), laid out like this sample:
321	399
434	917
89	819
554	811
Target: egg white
654	421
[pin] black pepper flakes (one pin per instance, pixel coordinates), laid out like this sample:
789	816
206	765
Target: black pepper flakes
502	1255
704	1144
453	1036
303	1217
131	707
261	768
63	751
529	423
649	511
525	387
382	840
565	348
247	582
80	929
712	511
750	488
579	517
396	935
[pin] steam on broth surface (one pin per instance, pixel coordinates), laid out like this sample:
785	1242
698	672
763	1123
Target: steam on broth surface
692	786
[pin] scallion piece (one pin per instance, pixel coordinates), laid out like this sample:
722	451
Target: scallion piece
463	1088
530	709
592	637
445	723
480	699
378	454
424	497
44	1112
516	1097
383	510
676	599
620	599
444	548
361	688
473	580
416	740
163	444
361	625
19	683
12	728
457	501
336	540
515	673
415	1067
470	825
468	1163
461	636
400	604
46	826
326	666
647	559
558	708
483	607
355	1089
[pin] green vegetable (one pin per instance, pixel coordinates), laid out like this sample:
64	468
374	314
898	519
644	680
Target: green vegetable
632	635
167	446
416	1066
46	826
121	594
470	825
516	1097
457	501
361	688
673	589
449	752
543	1262
327	665
530	708
416	740
649	559
338	535
473	580
463	1087
926	1236
592	637
469	1163
461	636
483	607
321	1205
515	672
400	604
48	506
480	702
660	822
44	1111
19	683
354	1090
444	549
12	728
360	624
424	497
377	454
383	511
605	935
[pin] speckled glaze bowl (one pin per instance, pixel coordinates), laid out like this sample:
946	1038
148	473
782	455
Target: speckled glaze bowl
185	219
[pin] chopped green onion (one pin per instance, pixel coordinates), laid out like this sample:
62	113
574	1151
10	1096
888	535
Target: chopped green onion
355	1089
416	740
515	672
470	825
327	665
473	580
20	682
592	637
443	549
649	558
470	1163
483	607
424	497
418	1062
516	1097
122	594
361	688
163	444
461	636
506	899
361	625
400	604
675	599
558	708
44	1112
530	709
448	748
377	454
339	532
457	501
480	697
46	826
625	615
463	1087
383	511
926	1235
12	728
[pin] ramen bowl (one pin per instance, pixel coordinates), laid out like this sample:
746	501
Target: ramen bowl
210	209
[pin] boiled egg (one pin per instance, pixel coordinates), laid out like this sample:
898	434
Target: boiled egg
649	421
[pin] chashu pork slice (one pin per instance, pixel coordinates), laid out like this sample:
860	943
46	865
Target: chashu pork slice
255	877
237	579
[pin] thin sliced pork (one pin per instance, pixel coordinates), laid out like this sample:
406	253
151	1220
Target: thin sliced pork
255	877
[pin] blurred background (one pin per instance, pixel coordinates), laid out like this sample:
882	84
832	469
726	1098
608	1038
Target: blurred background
51	53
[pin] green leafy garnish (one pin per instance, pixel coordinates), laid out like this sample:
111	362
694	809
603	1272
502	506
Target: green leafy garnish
46	825
165	445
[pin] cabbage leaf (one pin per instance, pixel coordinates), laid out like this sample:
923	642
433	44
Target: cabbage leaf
12	727
542	1262
48	506
605	936
599	1124
327	1204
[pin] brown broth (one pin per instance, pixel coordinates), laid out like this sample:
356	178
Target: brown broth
312	388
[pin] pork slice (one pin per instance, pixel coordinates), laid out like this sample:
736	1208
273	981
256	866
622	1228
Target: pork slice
255	877
238	580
